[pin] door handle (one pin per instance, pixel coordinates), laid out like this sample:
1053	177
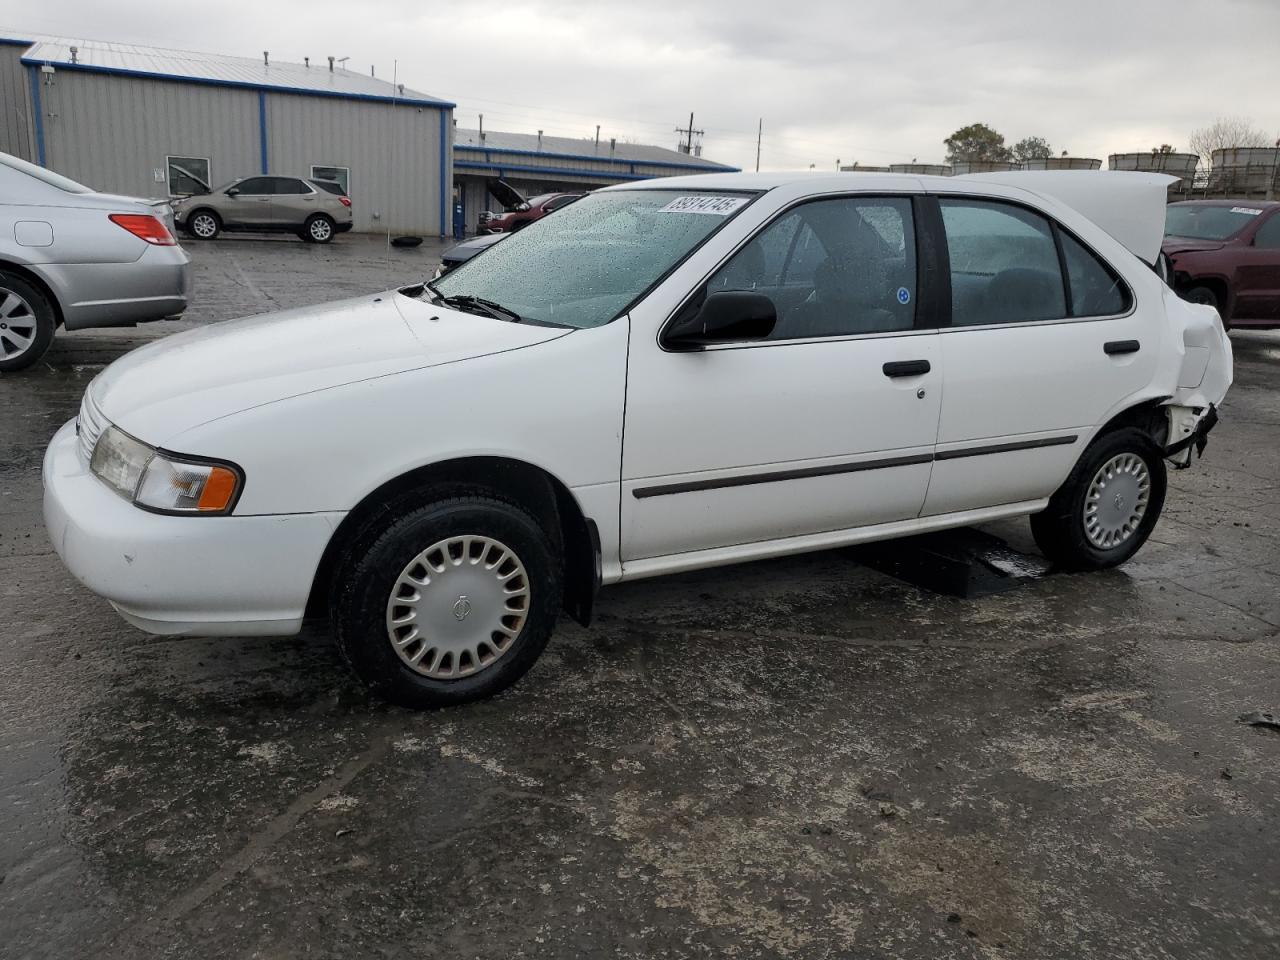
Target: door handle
1114	347
906	368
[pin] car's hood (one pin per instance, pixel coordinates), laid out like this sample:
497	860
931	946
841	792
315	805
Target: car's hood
469	248
504	193
197	376
1174	245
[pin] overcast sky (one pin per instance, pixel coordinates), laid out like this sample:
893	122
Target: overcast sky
876	82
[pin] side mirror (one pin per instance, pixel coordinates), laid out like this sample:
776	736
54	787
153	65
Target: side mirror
233	192
728	316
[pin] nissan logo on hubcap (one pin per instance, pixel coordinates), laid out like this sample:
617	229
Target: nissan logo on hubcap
462	609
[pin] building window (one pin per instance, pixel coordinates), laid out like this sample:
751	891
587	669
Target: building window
188	176
340	175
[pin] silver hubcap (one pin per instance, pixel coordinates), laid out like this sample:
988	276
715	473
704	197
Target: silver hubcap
204	226
1117	500
457	607
17	325
320	229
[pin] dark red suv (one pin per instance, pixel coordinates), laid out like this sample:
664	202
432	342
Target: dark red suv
520	211
1226	253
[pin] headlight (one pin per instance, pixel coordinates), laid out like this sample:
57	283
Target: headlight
161	481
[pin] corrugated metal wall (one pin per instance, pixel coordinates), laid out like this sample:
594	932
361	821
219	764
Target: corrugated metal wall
17	134
113	132
393	153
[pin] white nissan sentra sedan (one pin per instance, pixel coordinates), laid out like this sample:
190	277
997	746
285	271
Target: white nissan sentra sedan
663	376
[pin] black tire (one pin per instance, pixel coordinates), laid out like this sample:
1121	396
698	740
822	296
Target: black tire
198	230
318	229
1061	531
27	322
365	578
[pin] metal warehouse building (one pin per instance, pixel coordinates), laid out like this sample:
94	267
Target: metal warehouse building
150	122
535	164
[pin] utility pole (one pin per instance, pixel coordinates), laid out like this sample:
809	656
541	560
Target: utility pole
597	138
759	137
689	132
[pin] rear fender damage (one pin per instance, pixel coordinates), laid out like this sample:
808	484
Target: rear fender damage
1204	376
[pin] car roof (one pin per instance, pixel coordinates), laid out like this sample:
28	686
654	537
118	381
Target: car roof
1129	205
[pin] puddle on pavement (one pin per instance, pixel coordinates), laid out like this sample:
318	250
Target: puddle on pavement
965	563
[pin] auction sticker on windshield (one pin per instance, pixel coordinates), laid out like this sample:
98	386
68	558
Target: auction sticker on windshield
717	206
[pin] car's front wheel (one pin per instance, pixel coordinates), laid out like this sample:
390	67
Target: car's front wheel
1107	507
447	602
318	229
27	321
204	225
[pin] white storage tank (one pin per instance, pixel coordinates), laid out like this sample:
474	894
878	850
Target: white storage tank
983	166
1062	163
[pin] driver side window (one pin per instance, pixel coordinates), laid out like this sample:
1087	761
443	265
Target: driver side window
839	267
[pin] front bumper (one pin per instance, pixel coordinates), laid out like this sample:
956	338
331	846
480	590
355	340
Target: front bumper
212	576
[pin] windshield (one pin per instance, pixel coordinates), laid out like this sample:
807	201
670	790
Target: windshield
45	176
1206	222
584	266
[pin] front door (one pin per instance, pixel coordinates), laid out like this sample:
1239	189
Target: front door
1034	358
251	204
826	425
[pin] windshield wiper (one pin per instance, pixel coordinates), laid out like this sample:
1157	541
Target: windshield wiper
497	310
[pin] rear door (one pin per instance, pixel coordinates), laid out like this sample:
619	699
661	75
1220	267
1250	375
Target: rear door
251	204
1258	272
1043	340
293	201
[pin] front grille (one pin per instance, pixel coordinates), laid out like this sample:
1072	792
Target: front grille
89	425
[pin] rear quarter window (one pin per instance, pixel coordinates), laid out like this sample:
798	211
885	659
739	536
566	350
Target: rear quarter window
1096	289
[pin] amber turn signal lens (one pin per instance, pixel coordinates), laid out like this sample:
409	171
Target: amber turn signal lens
218	490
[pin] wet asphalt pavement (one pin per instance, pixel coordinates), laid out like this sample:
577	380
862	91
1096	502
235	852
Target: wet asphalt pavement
794	758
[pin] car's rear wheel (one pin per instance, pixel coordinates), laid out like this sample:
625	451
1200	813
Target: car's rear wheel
318	228
204	225
448	602
1108	506
27	322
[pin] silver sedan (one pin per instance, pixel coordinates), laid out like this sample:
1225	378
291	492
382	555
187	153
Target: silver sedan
72	257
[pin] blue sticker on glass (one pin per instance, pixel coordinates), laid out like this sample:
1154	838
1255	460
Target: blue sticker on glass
904	296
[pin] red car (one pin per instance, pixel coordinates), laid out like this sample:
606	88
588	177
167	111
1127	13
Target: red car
521	212
1226	253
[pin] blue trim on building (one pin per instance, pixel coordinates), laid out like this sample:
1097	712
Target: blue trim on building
262	128
620	161
444	168
241	84
38	112
15	42
549	171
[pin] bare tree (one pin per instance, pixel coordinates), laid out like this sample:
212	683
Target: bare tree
1226	132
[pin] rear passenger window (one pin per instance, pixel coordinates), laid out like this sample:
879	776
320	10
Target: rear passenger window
1096	291
1004	264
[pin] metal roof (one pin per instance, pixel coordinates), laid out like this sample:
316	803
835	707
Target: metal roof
131	59
583	149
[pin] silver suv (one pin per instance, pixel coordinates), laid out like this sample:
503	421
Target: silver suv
313	209
72	257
